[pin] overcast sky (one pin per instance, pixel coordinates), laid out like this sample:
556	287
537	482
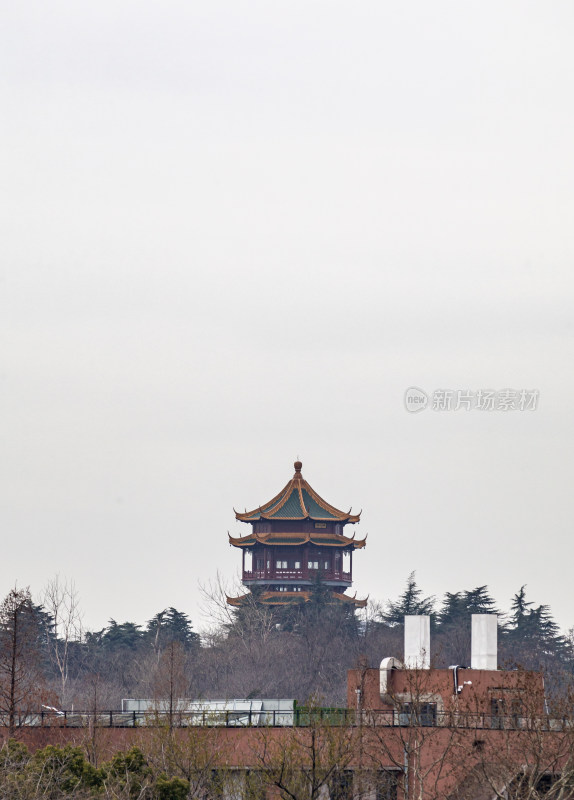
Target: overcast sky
233	233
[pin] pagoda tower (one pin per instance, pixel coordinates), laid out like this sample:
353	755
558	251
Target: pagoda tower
297	538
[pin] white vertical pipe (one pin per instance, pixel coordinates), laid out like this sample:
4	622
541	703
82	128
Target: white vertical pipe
417	641
484	651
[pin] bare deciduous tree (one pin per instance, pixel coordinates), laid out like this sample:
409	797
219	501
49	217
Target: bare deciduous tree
194	755
526	755
409	740
306	761
171	683
61	602
21	678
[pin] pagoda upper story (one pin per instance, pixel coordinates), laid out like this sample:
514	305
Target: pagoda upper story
296	538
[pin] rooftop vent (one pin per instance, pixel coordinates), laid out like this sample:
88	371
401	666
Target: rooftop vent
417	642
484	652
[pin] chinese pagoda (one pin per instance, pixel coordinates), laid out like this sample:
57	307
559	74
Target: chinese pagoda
297	539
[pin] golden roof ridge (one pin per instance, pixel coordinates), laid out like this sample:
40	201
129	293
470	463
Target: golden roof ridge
303	506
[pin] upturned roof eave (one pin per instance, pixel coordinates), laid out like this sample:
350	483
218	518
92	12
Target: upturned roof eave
309	538
284	598
298	484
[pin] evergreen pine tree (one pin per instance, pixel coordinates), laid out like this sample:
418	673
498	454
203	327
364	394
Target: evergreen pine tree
171	625
121	636
533	637
410	602
458	606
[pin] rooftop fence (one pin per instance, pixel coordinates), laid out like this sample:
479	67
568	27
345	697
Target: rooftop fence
297	717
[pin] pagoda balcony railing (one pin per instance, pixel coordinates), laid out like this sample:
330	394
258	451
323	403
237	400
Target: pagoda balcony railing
305	574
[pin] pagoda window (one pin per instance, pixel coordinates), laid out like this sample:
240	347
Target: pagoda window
346	561
312	565
326	565
259	564
297	565
281	565
248	560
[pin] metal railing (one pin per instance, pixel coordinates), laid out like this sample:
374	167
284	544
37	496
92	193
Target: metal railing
298	717
467	720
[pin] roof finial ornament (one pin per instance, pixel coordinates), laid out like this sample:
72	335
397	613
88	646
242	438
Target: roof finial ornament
298	465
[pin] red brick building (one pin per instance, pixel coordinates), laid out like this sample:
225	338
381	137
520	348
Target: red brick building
408	733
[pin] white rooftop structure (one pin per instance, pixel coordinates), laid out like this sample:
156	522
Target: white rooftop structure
417	641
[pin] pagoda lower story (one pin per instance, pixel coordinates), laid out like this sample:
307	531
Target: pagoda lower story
296	541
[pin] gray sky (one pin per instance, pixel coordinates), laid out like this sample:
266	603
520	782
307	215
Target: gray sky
236	232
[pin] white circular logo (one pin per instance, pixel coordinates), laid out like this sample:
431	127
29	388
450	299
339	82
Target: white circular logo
415	400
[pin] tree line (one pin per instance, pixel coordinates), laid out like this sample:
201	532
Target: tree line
528	635
296	651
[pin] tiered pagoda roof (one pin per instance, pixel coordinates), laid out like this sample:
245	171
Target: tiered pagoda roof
323	539
285	598
297	502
